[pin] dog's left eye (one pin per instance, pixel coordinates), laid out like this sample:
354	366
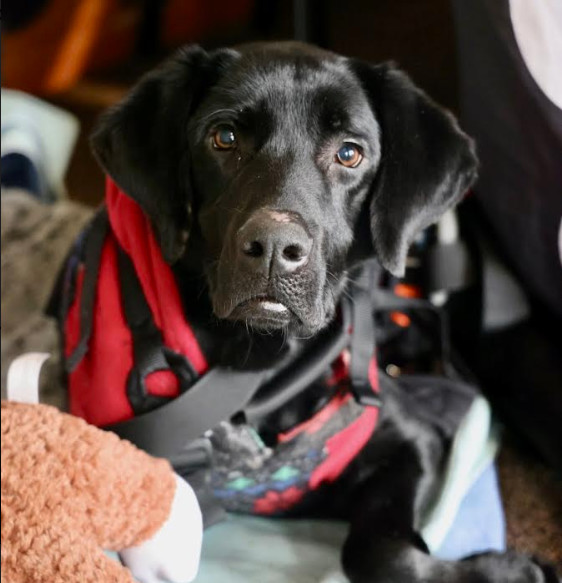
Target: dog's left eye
349	155
224	138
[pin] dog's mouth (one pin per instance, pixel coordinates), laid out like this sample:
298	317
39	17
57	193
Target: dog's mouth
262	311
295	304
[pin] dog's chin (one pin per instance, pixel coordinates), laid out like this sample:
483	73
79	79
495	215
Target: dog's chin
268	314
263	313
298	306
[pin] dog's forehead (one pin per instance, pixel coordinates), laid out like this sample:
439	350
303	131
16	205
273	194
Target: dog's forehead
292	85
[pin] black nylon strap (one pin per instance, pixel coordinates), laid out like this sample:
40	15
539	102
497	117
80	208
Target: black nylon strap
147	339
94	245
289	383
149	351
363	336
217	396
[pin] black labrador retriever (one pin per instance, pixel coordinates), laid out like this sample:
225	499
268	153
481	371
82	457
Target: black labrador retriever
268	171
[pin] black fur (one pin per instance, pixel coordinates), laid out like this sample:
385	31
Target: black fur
292	106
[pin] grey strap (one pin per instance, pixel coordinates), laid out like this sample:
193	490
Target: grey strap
216	397
94	246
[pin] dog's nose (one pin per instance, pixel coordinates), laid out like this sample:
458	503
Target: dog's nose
273	243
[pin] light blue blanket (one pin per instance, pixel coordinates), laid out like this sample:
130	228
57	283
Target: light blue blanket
247	549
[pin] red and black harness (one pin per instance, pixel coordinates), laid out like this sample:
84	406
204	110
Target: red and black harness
135	366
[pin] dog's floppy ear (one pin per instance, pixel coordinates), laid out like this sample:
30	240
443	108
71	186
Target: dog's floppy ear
142	142
427	162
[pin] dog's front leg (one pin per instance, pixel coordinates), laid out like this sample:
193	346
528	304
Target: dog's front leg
391	560
383	546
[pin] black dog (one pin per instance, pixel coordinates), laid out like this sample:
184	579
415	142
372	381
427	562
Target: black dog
268	172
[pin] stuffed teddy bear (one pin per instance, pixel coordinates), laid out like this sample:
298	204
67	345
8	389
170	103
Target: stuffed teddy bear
70	490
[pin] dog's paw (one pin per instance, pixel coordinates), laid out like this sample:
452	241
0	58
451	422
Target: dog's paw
512	567
548	571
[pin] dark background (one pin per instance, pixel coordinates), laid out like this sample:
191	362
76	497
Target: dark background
417	34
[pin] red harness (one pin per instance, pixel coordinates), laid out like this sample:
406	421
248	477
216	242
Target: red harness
96	385
103	355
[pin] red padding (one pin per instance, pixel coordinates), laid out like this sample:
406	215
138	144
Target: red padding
97	387
134	233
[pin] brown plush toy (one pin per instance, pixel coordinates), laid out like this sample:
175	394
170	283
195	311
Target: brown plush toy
70	490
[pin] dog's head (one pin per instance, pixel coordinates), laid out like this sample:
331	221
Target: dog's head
274	167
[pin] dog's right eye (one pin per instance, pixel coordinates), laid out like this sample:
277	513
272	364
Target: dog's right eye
224	138
349	155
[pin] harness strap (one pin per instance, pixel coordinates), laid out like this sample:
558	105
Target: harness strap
298	377
356	331
363	345
147	339
215	397
149	352
93	250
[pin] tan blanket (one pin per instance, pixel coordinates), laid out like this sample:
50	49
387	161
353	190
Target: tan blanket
35	239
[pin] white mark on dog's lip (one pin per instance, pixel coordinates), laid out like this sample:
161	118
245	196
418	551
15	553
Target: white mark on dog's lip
273	306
